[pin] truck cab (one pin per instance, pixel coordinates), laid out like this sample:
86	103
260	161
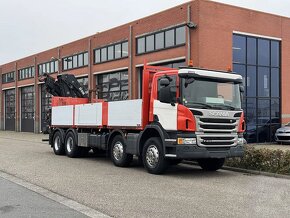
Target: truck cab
199	113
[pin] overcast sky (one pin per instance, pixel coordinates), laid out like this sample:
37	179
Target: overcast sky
31	26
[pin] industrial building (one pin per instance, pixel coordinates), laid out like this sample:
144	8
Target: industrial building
212	35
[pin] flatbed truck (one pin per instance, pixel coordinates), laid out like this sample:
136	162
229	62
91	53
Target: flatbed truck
184	114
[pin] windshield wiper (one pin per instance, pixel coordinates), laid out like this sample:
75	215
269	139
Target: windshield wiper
225	106
204	105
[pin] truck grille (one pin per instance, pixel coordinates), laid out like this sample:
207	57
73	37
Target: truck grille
217	140
217	132
217	125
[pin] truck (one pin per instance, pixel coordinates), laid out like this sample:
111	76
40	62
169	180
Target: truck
184	114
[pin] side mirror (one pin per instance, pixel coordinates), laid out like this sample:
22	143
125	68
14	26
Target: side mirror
164	82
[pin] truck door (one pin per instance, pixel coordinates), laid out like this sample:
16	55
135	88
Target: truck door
165	106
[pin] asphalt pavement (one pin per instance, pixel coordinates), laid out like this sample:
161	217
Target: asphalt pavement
17	201
185	191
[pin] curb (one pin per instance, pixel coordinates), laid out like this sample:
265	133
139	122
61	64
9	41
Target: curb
255	172
241	170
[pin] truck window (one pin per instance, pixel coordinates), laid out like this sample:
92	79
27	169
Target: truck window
167	94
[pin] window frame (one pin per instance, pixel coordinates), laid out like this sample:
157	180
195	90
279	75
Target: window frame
26	73
65	63
106	47
175	45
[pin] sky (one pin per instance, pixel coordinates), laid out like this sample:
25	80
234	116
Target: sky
31	26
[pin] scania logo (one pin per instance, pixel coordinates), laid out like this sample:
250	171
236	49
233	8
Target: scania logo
219	114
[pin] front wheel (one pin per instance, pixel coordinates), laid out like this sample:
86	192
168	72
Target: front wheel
118	152
211	164
153	156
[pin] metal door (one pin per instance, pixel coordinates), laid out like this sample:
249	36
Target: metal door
10	110
27	109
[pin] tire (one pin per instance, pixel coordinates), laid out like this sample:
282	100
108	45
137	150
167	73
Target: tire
211	164
153	156
71	148
57	145
118	155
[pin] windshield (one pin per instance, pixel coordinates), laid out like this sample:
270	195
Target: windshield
211	94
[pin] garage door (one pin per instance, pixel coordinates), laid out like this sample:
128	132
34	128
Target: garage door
27	109
10	110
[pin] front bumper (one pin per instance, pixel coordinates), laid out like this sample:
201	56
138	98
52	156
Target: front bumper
196	152
282	137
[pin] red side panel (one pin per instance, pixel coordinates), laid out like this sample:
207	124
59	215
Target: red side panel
62	101
185	119
105	113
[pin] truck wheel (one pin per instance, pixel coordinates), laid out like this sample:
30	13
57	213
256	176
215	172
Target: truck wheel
71	148
58	146
211	164
153	156
118	155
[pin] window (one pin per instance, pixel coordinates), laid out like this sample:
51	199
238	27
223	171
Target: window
111	52
113	86
84	82
167	94
169	38
45	105
180	35
257	60
48	67
98	55
75	61
26	73
150	43
8	77
161	40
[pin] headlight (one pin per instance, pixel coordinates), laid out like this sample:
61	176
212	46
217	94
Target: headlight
186	141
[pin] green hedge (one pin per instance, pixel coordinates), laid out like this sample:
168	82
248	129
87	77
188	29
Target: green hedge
267	160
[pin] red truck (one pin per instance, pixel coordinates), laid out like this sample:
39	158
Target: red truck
184	114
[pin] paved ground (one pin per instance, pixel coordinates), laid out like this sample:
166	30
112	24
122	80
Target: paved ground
16	201
185	191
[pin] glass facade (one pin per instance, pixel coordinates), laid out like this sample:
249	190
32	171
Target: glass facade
161	40
84	82
45	105
113	86
258	61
